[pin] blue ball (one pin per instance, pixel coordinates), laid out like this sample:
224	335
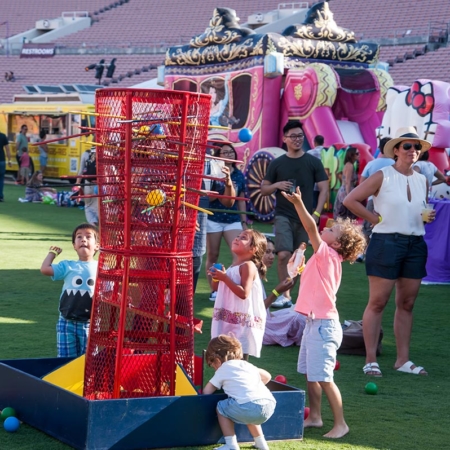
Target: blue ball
11	424
245	135
216	266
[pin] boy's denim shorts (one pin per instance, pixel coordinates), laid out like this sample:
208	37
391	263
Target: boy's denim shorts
250	413
320	342
394	255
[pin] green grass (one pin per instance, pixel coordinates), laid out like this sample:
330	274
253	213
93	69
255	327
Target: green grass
409	412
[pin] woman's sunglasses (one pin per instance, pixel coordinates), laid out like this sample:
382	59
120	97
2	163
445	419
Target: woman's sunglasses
408	146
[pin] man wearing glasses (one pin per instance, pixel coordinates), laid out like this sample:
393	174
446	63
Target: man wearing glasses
285	173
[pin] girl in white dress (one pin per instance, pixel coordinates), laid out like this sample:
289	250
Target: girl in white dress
239	307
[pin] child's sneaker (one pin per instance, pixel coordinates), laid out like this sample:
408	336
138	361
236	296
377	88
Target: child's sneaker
213	296
282	302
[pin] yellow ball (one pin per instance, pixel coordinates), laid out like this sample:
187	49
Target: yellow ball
156	197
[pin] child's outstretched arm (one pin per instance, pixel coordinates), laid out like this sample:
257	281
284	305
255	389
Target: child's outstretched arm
280	288
308	222
46	268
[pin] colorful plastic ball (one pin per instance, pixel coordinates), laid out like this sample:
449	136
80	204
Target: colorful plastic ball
217	266
7	412
245	135
337	366
306	413
156	197
11	424
371	388
281	379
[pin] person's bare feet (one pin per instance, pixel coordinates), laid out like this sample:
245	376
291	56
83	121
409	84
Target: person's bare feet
337	431
312	423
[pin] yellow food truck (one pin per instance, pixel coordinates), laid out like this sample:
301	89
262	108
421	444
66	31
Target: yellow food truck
60	115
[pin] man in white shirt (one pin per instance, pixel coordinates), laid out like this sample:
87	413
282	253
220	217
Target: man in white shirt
317	152
318	146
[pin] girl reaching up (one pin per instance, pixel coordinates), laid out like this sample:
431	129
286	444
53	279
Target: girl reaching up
239	306
322	336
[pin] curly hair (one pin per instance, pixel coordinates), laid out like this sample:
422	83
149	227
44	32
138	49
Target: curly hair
352	240
224	348
258	242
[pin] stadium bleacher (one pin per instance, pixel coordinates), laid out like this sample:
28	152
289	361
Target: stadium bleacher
137	35
71	69
386	18
432	66
399	53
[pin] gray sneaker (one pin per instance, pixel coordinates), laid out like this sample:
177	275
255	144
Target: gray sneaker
282	302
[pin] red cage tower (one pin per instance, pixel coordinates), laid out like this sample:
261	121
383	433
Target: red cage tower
150	157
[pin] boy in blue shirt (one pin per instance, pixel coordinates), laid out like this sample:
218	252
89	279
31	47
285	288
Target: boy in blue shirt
75	302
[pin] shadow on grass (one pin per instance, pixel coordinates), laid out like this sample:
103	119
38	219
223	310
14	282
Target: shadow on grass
50	237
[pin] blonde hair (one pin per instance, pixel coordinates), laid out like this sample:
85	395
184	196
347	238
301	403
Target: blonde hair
352	239
224	348
259	243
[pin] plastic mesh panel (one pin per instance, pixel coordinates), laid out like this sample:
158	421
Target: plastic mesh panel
150	158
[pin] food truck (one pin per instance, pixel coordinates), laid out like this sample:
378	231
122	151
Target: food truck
60	115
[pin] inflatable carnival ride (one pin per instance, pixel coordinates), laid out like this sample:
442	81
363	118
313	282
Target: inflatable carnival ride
315	72
138	384
426	106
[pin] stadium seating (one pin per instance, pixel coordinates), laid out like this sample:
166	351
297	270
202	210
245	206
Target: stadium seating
70	69
387	18
124	26
399	53
22	15
432	66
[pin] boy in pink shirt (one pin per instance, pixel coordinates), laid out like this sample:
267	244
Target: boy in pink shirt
322	336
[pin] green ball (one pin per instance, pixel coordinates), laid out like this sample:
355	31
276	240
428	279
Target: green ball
371	388
8	412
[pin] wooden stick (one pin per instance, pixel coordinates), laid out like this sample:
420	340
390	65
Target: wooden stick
35	144
87	113
115	130
232	211
190	205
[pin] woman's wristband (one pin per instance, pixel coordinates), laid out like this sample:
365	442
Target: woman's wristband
275	292
380	219
54	251
316	213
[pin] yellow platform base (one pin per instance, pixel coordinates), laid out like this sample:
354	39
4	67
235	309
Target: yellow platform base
71	378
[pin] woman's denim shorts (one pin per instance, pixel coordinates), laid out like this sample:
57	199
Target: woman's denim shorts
395	255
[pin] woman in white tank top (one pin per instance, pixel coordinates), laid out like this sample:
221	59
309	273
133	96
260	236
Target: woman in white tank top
397	252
